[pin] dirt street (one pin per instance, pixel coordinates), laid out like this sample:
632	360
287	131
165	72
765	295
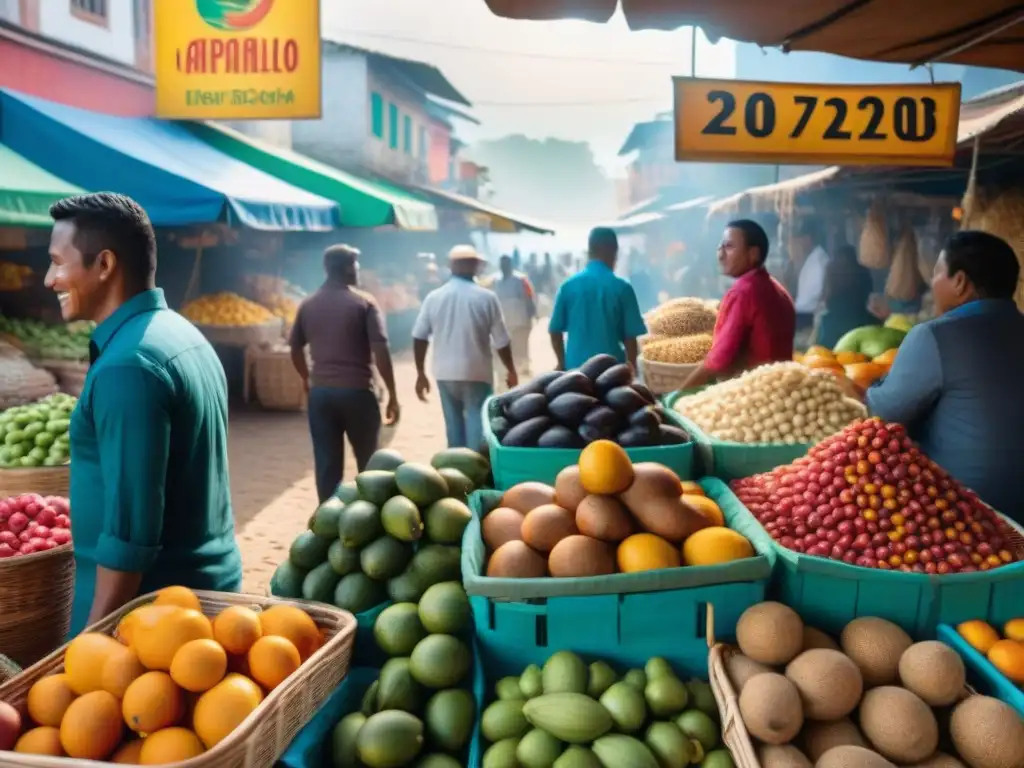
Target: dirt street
272	466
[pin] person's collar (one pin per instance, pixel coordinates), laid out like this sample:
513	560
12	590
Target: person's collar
981	307
597	265
465	278
146	301
753	274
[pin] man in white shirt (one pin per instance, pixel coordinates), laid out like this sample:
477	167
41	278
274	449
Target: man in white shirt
811	281
464	320
519	310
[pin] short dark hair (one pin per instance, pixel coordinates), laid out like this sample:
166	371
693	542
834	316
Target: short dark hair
988	261
106	221
753	235
338	260
810	228
602	238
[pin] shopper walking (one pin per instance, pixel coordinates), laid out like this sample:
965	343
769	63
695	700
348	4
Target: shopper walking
464	321
344	330
519	308
149	445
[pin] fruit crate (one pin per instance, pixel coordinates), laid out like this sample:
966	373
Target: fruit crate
628	613
512	465
981	672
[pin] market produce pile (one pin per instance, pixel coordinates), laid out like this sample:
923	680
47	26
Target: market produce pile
20	381
571	714
598	401
13	277
171	685
37	435
31	523
392	533
607	515
874	699
419	710
226	310
869	497
50	342
682	350
680	331
1004	651
774	403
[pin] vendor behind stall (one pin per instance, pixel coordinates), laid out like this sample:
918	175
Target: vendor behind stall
956	381
756	318
845	298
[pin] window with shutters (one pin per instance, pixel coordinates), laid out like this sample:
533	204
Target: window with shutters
93	11
393	126
377	115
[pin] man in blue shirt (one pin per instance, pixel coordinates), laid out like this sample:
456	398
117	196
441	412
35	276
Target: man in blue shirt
956	381
597	309
150	500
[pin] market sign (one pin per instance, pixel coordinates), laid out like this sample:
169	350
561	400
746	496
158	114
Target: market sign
237	59
743	121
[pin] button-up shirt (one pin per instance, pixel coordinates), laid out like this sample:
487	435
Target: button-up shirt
149	457
598	310
810	284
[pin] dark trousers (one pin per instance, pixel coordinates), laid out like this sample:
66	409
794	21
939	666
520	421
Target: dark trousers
335	413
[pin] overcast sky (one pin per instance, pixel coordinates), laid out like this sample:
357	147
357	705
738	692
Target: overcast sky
567	79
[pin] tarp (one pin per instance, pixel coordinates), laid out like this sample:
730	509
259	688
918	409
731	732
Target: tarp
178	179
500	221
27	191
363	203
982	33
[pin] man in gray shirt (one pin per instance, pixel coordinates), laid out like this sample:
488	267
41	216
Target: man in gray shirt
956	381
345	333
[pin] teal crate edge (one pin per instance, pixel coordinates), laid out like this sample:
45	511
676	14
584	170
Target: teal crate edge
999	685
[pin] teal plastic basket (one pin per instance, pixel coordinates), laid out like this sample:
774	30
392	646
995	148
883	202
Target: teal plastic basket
621	614
511	466
981	673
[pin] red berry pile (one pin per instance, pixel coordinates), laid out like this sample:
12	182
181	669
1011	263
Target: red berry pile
867	496
32	523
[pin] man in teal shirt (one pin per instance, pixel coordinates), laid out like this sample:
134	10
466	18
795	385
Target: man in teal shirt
597	309
150	500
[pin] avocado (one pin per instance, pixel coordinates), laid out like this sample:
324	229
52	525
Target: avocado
625	400
398	629
319	584
617	376
308	550
420	483
499	426
570	381
385	558
407	587
434	563
342	559
634	437
670	434
467	461
287	580
644	392
459	486
401	518
450	717
390	738
357	592
368	705
646	419
526	434
359	524
325	519
527	407
597	365
559	437
606	420
396	688
385	459
445	521
376	486
347	492
571	408
343	739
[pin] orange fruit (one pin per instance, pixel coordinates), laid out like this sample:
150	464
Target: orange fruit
44	740
865	374
886	358
48	700
92	726
979	635
120	670
199	665
711	546
130	753
605	468
183	597
84	660
294	624
705	507
152	702
1014	630
145	616
646	552
1008	657
818	350
156	645
849	358
222	708
237	628
170	745
691	488
272	659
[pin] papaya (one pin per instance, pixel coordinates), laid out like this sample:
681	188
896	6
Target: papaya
572	717
420	483
308	550
376	486
385	459
467	461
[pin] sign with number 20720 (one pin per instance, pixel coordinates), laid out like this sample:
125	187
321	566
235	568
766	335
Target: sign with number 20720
752	122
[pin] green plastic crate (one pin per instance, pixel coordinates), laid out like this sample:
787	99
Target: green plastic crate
511	466
981	673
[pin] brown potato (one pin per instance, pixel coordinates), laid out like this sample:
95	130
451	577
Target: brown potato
569	490
547	525
525	497
576	556
604	518
502	525
515	560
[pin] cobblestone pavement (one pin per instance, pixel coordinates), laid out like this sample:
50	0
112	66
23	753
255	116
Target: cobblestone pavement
272	466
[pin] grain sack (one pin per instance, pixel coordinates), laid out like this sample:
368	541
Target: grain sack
873	249
904	281
681	350
681	317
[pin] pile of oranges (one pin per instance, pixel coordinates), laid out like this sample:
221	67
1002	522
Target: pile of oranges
171	684
1005	652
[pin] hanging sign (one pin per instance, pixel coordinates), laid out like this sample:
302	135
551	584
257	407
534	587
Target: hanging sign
742	121
237	59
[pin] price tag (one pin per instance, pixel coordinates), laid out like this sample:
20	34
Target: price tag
752	122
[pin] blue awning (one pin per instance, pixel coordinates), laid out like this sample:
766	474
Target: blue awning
177	178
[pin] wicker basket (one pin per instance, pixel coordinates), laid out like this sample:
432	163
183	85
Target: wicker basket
229	336
46	481
278	386
70	375
265	734
662	378
35	603
734	732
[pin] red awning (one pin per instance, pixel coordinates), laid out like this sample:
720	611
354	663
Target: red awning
984	33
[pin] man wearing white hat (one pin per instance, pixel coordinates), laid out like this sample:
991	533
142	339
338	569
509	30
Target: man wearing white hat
465	321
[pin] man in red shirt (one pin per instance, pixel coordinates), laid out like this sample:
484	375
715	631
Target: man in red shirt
756	319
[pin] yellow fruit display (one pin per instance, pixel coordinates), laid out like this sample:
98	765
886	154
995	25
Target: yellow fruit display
979	635
1014	630
712	546
222	708
605	468
646	552
44	740
92	726
272	659
1008	657
170	745
156	645
294	624
48	700
704	506
84	660
146	616
199	665
237	628
226	310
129	753
120	670
152	702
183	597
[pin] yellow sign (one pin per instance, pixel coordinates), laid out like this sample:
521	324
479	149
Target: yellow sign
751	122
237	59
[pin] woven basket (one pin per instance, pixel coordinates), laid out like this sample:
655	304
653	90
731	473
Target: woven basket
46	481
734	732
662	378
278	386
229	336
35	603
265	734
70	375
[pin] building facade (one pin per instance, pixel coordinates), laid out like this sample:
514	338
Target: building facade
93	54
